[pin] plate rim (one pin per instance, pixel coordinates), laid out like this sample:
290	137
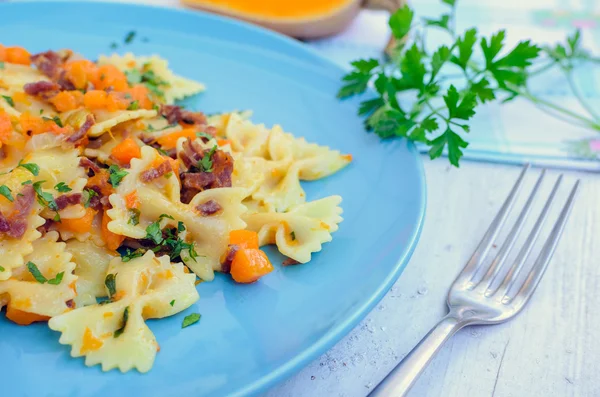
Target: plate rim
342	329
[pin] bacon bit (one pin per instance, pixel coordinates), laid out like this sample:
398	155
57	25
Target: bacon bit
90	343
88	164
100	183
70	304
82	131
41	87
131	200
156	171
175	114
66	200
209	208
289	262
227	257
15	224
48	63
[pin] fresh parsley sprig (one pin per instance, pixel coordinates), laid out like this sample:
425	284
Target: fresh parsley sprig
429	97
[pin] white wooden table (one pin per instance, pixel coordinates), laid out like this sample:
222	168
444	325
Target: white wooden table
551	349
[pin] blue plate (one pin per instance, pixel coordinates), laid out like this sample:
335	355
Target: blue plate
250	336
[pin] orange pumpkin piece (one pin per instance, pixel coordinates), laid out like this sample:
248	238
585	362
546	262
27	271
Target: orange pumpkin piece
223	142
21	97
2	53
243	238
140	93
80	72
95	99
23	318
249	265
109	76
101	180
34	125
18	55
80	225
89	342
131	200
112	240
5	126
170	141
116	101
126	150
67	100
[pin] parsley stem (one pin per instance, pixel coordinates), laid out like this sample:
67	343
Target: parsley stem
580	97
542	69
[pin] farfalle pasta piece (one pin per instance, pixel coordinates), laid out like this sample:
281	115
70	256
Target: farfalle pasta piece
106	120
246	137
172	86
14	249
300	231
58	165
92	264
115	334
14	76
161	196
94	235
28	295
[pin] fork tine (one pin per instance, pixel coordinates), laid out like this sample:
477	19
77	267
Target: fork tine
502	255
490	235
541	263
523	254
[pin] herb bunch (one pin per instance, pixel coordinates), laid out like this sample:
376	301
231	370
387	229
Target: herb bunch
429	97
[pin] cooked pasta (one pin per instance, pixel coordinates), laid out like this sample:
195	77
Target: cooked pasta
114	200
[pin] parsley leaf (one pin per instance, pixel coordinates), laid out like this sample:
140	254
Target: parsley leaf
57	279
162	216
6	192
116	175
119	331
400	22
129	37
205	164
293	236
3	269
1	65
172	302
56	120
135	105
9	100
154	233
31	167
35	272
134	216
132	254
202	134
44	199
190	319
62	187
87	196
111	284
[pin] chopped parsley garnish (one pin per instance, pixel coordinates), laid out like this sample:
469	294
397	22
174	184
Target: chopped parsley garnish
27	182
62	187
160	218
147	77
161	151
56	120
205	164
114	45
41	111
1	65
150	128
202	134
129	37
190	319
170	303
154	232
6	192
87	196
125	318
56	217
135	105
45	199
168	175
9	100
56	280
35	272
180	227
134	216
116	175
3	269
132	254
31	167
111	285
293	236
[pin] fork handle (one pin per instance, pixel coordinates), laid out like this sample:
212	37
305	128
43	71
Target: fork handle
398	382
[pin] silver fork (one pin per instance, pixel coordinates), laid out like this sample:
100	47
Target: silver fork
473	298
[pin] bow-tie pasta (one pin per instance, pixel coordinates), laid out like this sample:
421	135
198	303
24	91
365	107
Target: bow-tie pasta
114	199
